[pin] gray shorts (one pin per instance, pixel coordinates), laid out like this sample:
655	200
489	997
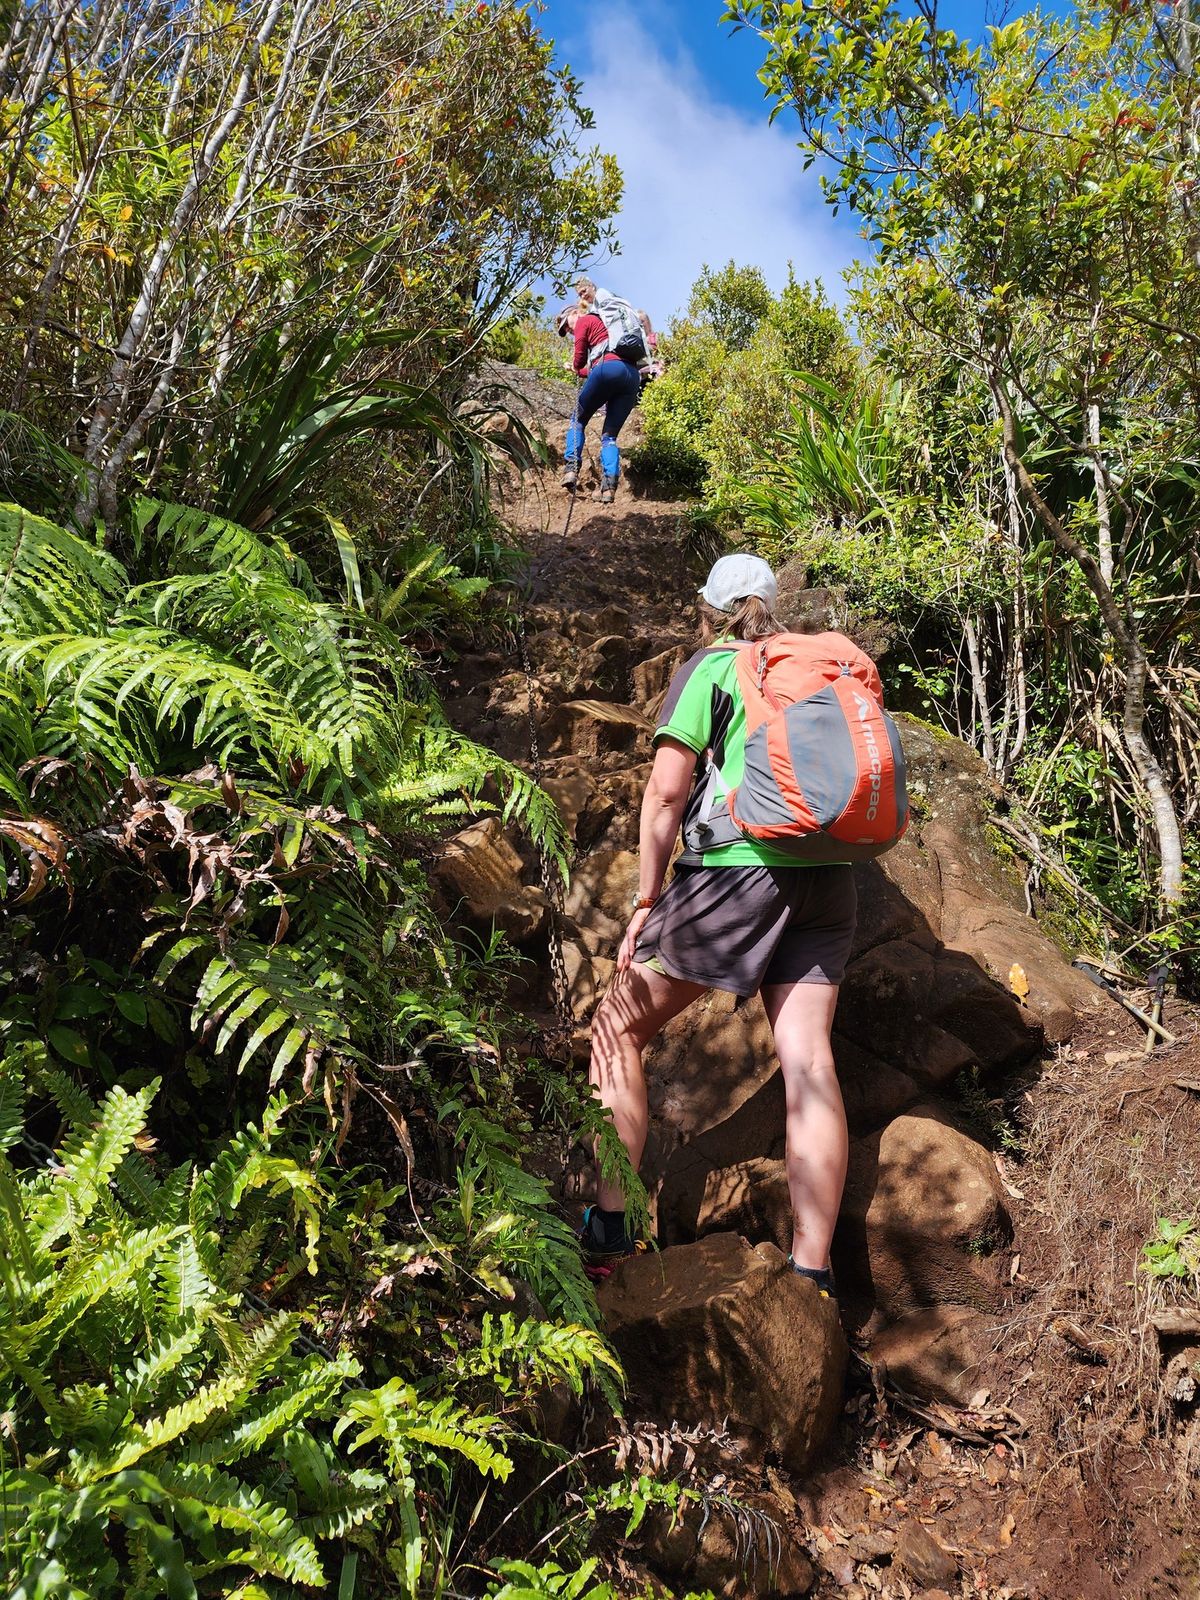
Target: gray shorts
739	928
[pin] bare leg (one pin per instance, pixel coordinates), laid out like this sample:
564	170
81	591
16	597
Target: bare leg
631	1013
801	1015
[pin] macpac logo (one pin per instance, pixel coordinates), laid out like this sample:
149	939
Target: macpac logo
875	769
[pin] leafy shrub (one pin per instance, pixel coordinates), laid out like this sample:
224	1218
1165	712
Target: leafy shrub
729	379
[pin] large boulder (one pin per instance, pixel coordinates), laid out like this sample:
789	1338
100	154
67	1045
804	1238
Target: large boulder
752	1550
922	1220
750	1198
720	1334
717	1058
479	874
942	1353
597	727
585	810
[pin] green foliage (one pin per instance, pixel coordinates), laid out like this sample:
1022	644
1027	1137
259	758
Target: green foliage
1174	1252
836	465
732	302
729	379
189	193
148	1394
1028	292
524	1581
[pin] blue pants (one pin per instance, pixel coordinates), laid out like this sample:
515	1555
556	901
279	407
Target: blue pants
615	385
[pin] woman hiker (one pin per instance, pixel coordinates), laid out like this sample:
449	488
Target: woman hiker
743	917
608	381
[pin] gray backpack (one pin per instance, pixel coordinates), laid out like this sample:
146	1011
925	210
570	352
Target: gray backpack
625	336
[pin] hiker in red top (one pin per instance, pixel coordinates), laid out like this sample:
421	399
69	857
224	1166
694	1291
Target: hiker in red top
591	339
606	358
776	792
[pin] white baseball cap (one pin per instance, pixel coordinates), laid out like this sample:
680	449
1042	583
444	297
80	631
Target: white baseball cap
735	578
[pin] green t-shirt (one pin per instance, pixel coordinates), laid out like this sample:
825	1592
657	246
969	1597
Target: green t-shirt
704	710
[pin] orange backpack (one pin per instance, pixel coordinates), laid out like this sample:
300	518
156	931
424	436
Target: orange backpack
824	775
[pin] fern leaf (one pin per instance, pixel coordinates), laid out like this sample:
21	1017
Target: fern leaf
12	1100
358	1497
267	1536
51	579
267	1345
307	1393
139	1383
89	1159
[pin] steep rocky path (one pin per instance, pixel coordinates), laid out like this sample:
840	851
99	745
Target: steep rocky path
943	1475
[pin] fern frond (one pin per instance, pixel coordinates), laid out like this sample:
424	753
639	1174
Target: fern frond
358	1497
270	993
266	1536
139	1383
308	1392
90	1157
201	541
539	1353
405	1425
51	580
264	1349
87	1281
12	1099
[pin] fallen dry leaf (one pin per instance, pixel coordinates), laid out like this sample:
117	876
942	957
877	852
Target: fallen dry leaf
1006	1531
1018	982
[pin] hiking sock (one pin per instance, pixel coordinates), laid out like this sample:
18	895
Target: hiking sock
821	1276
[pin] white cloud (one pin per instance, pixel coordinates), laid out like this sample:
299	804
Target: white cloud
704	182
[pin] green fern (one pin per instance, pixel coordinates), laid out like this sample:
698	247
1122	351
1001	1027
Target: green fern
51	580
535	1354
174	1407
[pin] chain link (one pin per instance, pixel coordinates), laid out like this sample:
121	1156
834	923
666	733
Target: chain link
551	878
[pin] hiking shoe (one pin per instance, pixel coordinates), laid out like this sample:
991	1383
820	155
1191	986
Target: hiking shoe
608	492
821	1276
570	478
600	1259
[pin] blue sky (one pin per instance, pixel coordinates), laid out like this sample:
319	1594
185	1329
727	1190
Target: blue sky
677	100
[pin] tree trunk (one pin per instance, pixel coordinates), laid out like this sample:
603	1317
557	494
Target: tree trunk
1103	512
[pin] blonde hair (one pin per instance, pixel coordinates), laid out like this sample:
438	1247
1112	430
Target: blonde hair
749	618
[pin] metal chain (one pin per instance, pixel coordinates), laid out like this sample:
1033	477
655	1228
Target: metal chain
551	879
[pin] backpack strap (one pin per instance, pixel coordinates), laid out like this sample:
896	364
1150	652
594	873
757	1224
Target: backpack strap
704	834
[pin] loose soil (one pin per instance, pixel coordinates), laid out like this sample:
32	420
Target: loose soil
1092	1493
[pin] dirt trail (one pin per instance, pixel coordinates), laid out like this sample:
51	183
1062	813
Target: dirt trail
1087	1490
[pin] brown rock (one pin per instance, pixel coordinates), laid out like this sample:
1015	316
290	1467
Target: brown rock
581	977
932	1012
603	669
604	883
922	1210
585	810
708	1061
751	1199
711	1550
651	678
595	727
998	937
923	1558
938	1354
719	1334
479	872
887	909
873	1092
